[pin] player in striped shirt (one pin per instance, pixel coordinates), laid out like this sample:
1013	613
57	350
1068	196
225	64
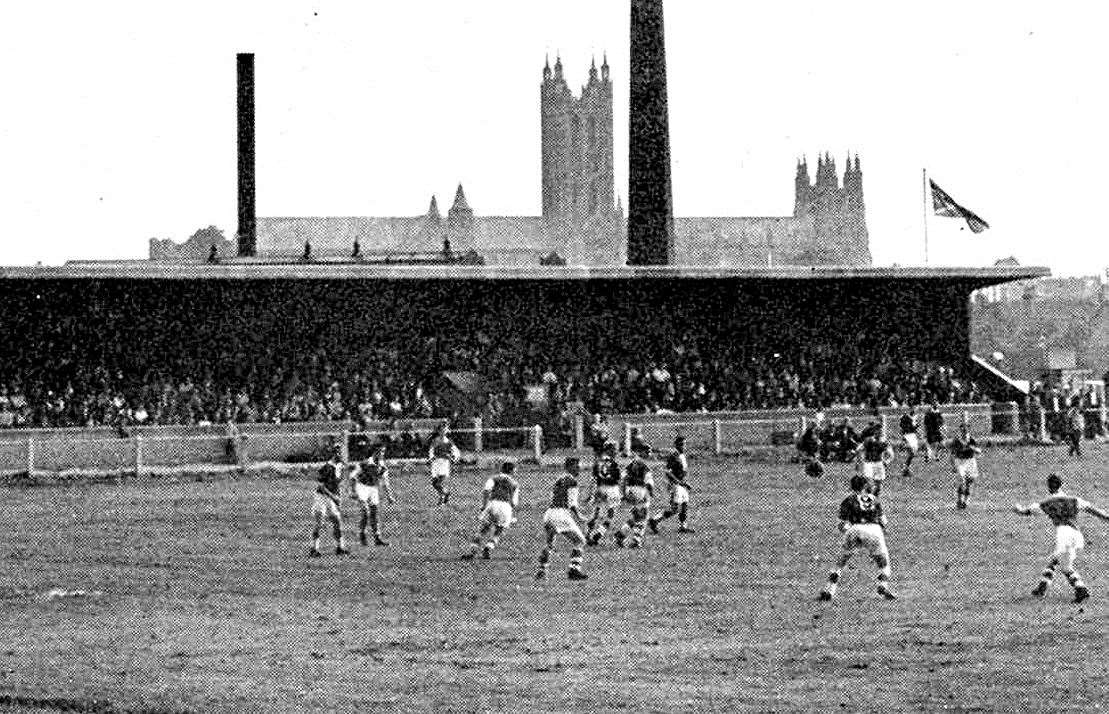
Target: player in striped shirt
863	526
562	519
606	493
677	472
638	488
440	455
367	480
499	499
325	504
1063	510
964	452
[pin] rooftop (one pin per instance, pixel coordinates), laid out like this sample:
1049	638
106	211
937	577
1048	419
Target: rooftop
253	269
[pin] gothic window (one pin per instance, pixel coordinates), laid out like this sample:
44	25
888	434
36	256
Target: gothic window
575	139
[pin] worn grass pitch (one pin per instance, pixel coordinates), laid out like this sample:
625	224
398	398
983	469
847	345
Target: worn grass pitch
207	603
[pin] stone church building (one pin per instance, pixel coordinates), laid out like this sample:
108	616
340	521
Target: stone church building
582	222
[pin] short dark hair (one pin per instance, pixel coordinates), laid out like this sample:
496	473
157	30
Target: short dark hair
508	467
1054	482
859	482
572	463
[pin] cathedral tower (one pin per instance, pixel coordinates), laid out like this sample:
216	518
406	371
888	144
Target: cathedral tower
578	179
837	212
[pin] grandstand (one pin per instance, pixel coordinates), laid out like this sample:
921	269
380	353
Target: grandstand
126	345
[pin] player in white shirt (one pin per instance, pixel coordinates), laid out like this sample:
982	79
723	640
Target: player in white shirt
1063	510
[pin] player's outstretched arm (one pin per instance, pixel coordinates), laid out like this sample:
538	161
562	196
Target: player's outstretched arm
1023	510
387	486
1095	511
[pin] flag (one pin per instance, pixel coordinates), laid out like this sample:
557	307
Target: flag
944	205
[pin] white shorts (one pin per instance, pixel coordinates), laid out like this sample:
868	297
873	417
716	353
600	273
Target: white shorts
1068	540
637	496
912	443
868	537
678	494
874	470
324	507
607	494
966	470
560	520
440	468
367	494
497	513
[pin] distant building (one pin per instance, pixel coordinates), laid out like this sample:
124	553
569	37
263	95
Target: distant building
1088	288
582	219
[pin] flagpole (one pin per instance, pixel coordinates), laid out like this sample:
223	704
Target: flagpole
924	188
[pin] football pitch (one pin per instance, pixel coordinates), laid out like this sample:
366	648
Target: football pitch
197	596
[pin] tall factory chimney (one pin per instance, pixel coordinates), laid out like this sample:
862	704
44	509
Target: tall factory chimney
247	222
650	204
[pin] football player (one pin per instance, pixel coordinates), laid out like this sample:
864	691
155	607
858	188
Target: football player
1063	510
499	499
440	455
606	493
909	439
325	503
933	431
562	519
964	453
875	452
367	481
638	489
809	445
863	526
677	472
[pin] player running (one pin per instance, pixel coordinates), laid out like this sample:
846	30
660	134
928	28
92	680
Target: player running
875	452
964	453
325	504
863	526
1063	511
933	431
367	480
909	439
677	469
499	499
606	493
638	489
440	455
562	519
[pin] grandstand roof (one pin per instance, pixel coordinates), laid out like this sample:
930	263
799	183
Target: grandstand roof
251	269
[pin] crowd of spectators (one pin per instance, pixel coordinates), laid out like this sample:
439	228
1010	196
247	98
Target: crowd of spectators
504	383
136	354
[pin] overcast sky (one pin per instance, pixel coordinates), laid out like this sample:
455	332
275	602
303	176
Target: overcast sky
119	117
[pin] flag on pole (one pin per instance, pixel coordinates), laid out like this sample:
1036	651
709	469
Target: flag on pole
944	205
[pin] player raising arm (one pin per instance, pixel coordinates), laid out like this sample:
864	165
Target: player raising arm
1063	511
499	499
863	526
562	518
367	481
